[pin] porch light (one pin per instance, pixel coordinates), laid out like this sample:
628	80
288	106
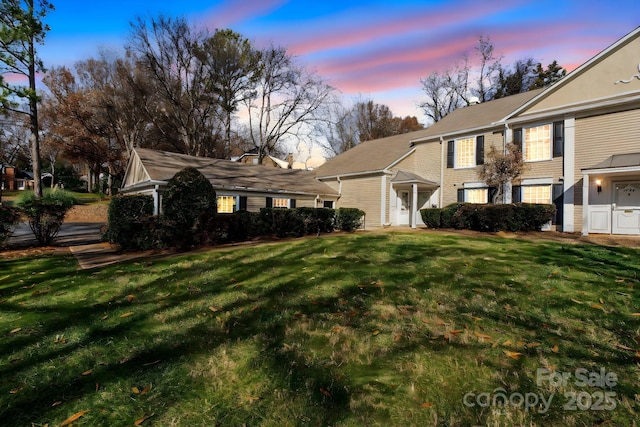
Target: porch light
599	185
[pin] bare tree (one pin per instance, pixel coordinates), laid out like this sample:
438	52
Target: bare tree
21	30
183	108
489	66
500	168
285	104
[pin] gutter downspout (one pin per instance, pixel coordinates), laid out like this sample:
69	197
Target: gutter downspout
442	166
507	188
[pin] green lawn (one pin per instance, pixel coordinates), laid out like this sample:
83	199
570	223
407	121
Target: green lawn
347	330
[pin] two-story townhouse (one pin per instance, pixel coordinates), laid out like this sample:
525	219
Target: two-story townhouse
581	138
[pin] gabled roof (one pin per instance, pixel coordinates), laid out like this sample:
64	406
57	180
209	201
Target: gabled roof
369	156
477	117
161	166
630	160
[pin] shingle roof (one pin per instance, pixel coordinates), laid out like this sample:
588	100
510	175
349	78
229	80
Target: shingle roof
618	161
226	174
368	156
377	155
477	116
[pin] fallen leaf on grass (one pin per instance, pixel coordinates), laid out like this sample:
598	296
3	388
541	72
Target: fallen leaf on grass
376	332
635	314
73	418
325	392
135	390
87	372
533	344
576	301
56	403
127	314
15	331
483	336
105	317
143	419
337	329
513	354
624	347
456	332
426	405
555	348
130	298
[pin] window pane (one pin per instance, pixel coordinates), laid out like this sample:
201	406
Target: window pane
479	195
536	194
537	143
226	204
465	152
280	203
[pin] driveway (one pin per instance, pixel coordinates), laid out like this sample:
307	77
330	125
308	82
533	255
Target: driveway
71	234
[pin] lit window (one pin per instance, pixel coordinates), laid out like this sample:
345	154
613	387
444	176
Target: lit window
280	203
479	195
536	194
537	143
226	204
465	152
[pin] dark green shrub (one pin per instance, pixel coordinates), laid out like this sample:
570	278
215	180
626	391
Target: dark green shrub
281	222
129	222
46	215
8	218
431	217
447	214
189	194
317	220
532	216
349	219
493	218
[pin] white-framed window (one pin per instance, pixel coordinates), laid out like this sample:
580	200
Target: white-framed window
536	194
537	143
465	152
477	195
280	203
226	204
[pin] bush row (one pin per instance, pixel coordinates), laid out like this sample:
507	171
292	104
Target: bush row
491	218
132	225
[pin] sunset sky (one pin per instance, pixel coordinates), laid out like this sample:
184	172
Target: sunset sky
368	49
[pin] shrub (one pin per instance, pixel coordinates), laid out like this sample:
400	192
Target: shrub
129	222
189	194
317	220
491	218
281	222
349	219
8	218
46	215
431	217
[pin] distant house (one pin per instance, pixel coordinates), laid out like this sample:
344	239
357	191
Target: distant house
238	186
580	140
16	179
254	159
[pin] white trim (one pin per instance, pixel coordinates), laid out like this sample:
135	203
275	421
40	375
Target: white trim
383	199
478	184
414	205
536	181
608	171
569	166
585	204
401	158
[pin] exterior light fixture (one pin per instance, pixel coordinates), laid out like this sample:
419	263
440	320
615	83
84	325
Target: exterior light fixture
599	185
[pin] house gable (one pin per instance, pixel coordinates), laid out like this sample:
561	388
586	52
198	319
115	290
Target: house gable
610	77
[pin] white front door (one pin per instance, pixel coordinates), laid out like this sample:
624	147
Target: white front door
626	208
404	207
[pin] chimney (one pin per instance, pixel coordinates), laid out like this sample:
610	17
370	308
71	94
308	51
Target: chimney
474	100
290	161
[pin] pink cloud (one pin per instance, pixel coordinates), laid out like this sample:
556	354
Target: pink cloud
232	12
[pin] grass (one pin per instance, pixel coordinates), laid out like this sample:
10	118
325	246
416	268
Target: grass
348	330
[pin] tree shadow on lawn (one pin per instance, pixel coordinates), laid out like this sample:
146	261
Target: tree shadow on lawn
249	306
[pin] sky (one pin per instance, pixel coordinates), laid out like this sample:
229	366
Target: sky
376	50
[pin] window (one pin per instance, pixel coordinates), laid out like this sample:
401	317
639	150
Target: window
327	204
280	203
226	204
537	143
465	152
473	195
477	195
536	194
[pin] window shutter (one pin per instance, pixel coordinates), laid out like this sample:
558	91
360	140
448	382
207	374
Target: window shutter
269	202
292	203
492	194
450	153
516	194
460	195
557	198
558	139
480	150
243	203
517	138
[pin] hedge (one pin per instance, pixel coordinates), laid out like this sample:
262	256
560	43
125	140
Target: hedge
490	218
349	219
130	222
46	214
